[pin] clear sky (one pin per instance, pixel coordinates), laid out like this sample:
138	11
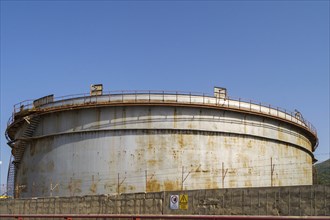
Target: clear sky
276	52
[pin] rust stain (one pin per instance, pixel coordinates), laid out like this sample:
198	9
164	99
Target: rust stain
170	185
244	159
232	183
248	183
131	188
296	154
189	140
123	189
211	183
175	154
110	187
200	170
280	135
93	188
226	143
150	145
262	149
23	182
309	160
152	162
75	186
153	186
211	143
181	141
249	144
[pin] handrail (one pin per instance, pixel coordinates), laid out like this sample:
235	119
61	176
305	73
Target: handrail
288	115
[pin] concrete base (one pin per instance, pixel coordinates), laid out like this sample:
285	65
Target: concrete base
275	201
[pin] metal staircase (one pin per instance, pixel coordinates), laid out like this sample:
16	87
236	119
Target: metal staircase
11	177
18	147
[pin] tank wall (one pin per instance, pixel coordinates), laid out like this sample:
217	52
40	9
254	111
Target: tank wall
136	149
113	118
89	163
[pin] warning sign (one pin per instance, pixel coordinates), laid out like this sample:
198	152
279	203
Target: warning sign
174	201
184	201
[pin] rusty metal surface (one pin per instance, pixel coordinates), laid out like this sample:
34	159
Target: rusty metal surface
84	146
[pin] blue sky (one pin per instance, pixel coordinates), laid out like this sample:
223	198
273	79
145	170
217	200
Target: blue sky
275	52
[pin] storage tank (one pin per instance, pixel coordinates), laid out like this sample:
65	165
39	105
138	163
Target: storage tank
149	141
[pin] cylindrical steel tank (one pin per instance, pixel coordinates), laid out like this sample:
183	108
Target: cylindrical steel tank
155	141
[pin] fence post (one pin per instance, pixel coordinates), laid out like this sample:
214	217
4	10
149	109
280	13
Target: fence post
242	202
251	213
315	212
289	203
299	201
325	201
266	203
258	201
311	198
